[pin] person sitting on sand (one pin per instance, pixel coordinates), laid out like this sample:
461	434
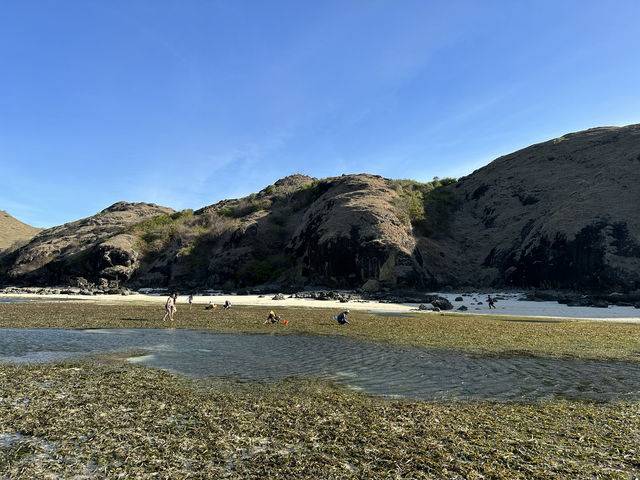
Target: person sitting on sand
211	306
342	317
170	307
490	301
273	318
227	304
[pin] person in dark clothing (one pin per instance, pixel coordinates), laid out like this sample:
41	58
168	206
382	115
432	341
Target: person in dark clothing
491	302
227	304
342	317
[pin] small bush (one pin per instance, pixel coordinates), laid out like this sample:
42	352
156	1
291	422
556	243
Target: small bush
425	205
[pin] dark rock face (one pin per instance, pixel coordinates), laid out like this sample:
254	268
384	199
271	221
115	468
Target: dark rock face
584	259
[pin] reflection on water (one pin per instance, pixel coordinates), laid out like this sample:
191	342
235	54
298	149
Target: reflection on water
369	367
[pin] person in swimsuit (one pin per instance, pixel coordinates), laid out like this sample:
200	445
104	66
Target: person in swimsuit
170	307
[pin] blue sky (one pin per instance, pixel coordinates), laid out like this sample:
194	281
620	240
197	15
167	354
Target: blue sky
185	103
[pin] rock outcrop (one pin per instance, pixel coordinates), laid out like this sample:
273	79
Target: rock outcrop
352	236
91	247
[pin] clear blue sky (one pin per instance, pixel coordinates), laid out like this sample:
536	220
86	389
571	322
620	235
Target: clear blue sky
184	103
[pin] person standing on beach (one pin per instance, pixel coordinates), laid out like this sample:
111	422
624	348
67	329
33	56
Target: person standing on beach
170	307
190	300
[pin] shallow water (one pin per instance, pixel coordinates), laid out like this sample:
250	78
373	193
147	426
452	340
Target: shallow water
368	367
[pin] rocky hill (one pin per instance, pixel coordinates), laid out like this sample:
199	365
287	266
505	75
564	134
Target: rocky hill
14	232
560	214
88	247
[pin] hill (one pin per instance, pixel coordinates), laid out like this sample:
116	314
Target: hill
84	247
13	231
560	214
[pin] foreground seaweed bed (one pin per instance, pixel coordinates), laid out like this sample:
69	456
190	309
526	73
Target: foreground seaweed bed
106	419
483	335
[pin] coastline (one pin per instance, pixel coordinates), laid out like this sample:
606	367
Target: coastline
507	304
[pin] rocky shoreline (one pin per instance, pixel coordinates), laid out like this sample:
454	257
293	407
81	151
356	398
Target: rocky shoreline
574	299
426	301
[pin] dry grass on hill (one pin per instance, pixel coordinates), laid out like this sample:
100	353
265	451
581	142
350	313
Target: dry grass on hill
12	230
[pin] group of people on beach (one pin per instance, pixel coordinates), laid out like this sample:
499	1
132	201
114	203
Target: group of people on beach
170	310
170	305
341	318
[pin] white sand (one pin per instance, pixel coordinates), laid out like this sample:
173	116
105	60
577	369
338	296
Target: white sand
507	304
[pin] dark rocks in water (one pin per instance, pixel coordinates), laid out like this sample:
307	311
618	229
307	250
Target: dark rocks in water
459	299
441	304
573	299
599	303
540	296
463	308
583	302
423	307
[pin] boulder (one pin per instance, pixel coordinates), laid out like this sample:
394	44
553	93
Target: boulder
441	304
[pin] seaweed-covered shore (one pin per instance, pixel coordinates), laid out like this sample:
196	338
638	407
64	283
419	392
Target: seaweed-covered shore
99	419
475	334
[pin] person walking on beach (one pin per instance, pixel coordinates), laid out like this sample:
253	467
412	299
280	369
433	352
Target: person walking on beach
491	302
342	317
170	307
190	300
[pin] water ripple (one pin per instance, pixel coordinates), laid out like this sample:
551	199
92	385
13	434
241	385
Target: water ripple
362	366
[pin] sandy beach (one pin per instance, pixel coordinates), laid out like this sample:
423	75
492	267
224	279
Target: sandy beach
507	304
